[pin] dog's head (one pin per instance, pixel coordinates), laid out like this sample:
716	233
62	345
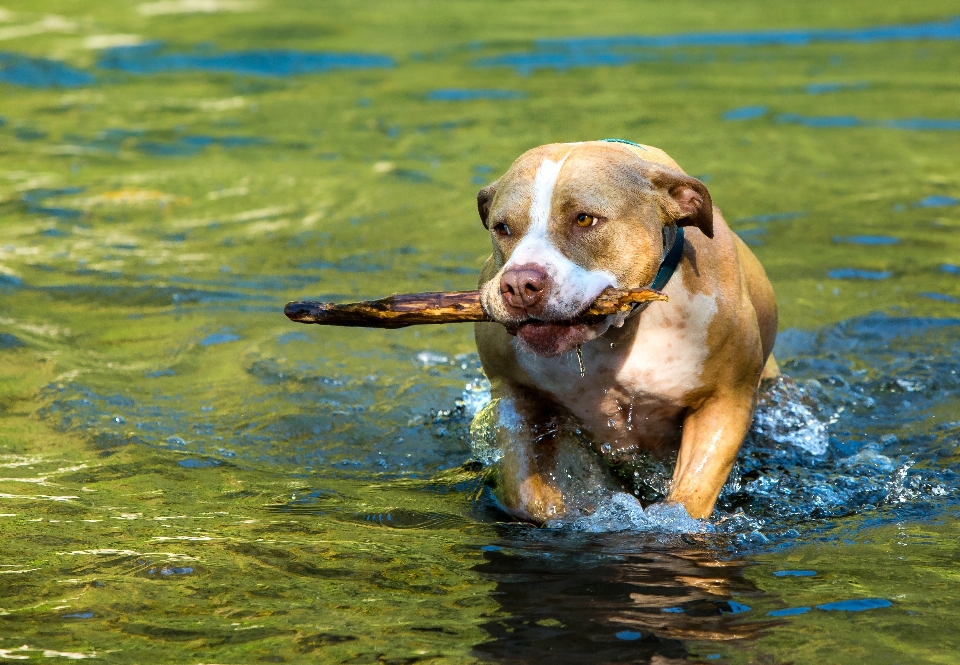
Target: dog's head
568	221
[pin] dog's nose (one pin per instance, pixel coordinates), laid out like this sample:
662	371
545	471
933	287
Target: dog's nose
523	287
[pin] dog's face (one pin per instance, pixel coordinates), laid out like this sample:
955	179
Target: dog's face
568	221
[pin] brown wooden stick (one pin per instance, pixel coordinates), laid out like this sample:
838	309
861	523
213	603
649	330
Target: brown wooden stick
411	309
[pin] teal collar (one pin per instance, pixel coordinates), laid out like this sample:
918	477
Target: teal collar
670	262
635	145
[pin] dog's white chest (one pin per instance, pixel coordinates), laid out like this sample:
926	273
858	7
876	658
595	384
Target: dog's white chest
668	353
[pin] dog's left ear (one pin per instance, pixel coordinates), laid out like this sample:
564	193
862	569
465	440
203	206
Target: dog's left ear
691	197
485	199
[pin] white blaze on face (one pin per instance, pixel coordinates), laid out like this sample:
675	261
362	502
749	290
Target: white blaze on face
573	286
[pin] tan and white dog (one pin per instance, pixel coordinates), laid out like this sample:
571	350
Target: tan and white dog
567	221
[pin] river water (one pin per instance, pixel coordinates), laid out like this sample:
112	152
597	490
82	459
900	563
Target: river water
186	476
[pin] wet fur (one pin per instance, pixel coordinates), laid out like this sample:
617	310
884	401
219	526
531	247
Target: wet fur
681	376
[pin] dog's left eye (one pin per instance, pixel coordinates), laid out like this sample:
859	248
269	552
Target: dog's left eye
584	220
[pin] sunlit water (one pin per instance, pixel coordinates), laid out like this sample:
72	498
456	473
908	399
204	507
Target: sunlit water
186	476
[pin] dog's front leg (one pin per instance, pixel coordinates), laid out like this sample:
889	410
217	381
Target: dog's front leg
711	439
546	470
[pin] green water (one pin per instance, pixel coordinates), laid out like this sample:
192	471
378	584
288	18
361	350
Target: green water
186	476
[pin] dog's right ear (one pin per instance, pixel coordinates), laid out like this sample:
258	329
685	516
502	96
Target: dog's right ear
485	199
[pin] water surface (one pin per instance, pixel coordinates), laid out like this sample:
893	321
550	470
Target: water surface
186	476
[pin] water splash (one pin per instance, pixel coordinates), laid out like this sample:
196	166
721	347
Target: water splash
785	417
623	512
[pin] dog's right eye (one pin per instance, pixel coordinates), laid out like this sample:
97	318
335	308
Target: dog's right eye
501	229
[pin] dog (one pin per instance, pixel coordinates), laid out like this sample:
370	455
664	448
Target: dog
680	377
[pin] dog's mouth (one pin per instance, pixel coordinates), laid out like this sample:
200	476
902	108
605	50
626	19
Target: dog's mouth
553	338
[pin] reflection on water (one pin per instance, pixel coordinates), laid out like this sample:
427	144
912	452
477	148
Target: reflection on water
610	599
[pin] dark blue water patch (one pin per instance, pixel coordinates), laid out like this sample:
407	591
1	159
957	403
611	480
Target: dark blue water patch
286	338
167	571
569	52
26	72
194	463
849	121
527	63
354	263
54	233
446	125
794	573
772	217
921	124
950	269
469	95
35	199
59	213
745	113
186	146
149	58
9	281
937	201
258	283
79	615
789	612
941	297
131	295
827	87
451	270
856	605
412	175
29	134
942	31
823	121
36	196
752	237
222	337
856	273
157	373
8	341
629	635
866	240
734	607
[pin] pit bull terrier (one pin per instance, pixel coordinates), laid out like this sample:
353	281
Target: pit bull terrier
677	377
